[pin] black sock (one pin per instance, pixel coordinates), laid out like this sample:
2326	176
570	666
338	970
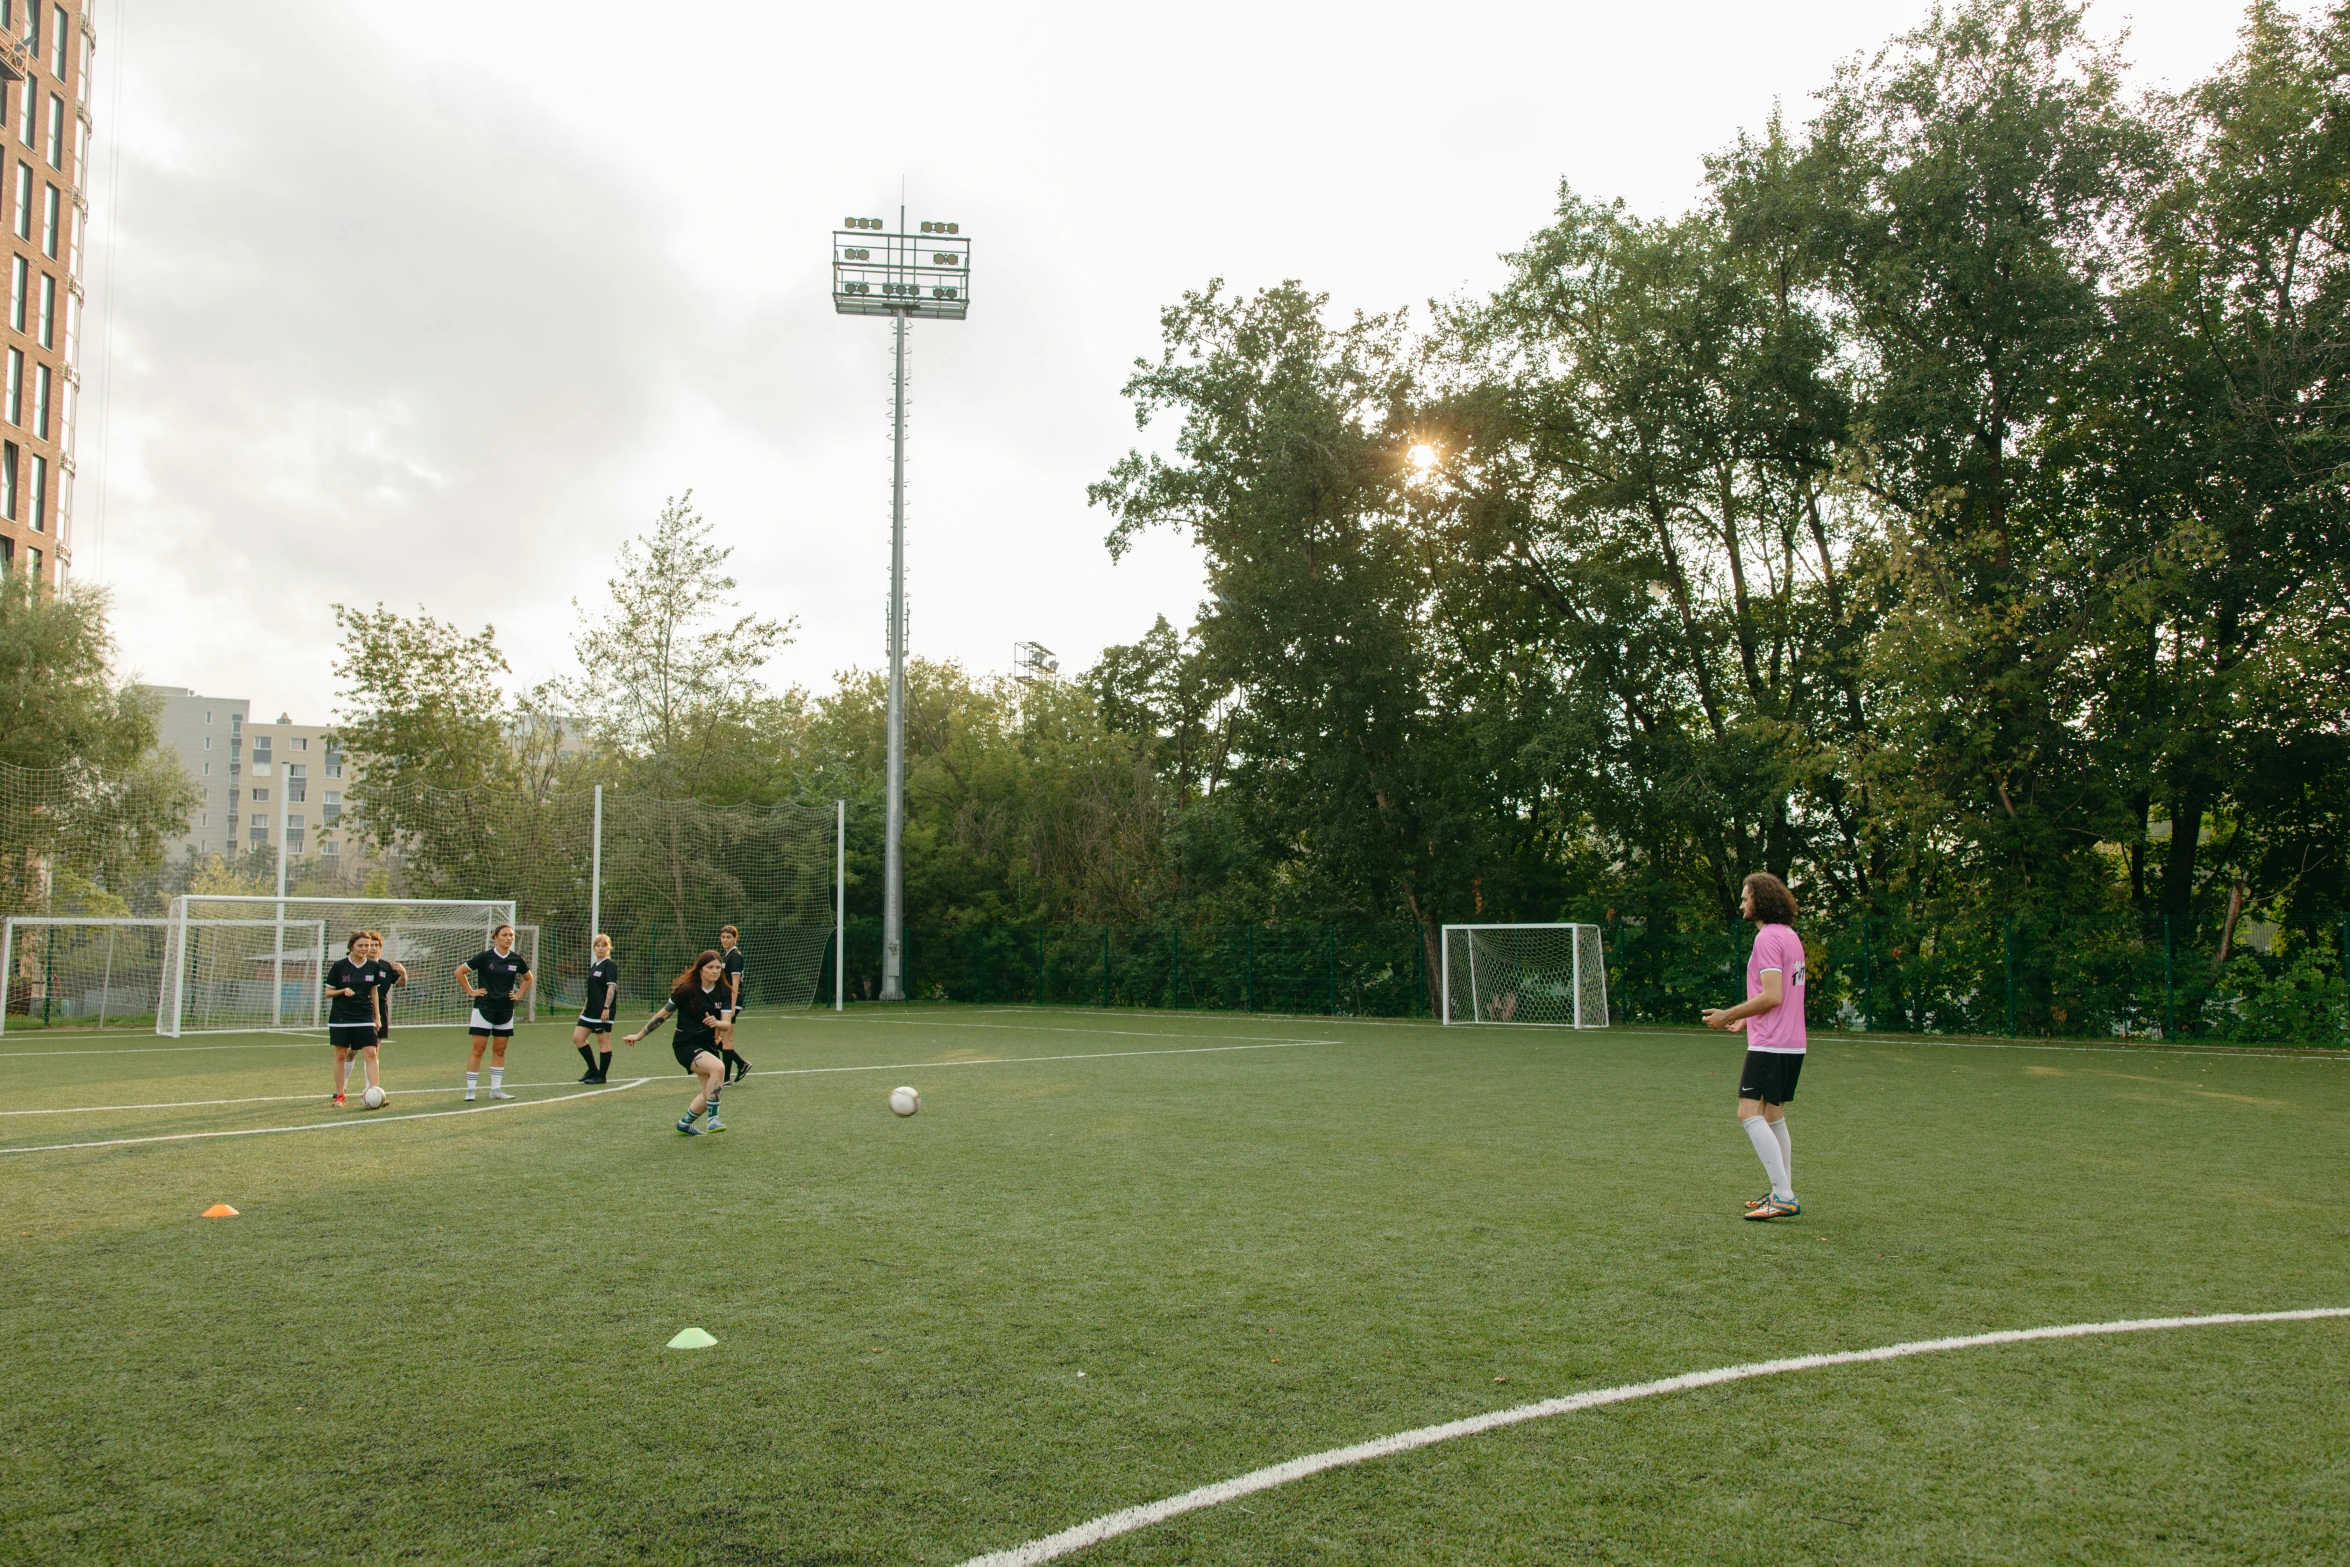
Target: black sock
587	1057
604	1064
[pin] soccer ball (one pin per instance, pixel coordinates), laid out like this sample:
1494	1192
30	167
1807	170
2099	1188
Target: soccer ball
373	1098
904	1101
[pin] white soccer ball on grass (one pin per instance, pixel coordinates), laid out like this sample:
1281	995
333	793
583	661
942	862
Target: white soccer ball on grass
904	1101
374	1097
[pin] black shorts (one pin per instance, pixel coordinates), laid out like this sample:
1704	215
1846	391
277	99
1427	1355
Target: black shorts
493	1015
350	1036
686	1049
1769	1076
596	1025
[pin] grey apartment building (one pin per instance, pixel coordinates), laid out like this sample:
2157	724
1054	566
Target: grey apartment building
250	776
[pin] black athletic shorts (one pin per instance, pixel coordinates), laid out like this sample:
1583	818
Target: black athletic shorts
492	1015
596	1025
350	1036
686	1049
1769	1076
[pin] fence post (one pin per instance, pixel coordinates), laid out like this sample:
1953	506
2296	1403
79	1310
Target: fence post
1331	931
1040	965
1869	985
1105	965
2170	1000
1248	973
2010	964
1174	966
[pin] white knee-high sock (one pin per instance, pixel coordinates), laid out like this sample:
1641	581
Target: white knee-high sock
1786	1149
497	1078
1766	1148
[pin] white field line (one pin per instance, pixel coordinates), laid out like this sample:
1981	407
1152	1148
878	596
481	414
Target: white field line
256	1099
1110	1525
1129	1033
1091	1055
333	1126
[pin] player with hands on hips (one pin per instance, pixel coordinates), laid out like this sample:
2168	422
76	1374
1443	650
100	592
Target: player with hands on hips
1771	1017
495	978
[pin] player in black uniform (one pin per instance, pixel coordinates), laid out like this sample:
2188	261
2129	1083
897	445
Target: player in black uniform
595	1012
730	939
704	1030
495	979
387	973
350	1019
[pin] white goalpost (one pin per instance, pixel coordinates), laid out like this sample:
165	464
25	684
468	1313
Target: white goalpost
247	962
1555	974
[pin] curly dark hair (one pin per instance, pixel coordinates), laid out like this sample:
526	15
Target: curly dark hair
1773	903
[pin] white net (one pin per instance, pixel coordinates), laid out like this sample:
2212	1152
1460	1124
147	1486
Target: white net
232	964
81	973
1553	974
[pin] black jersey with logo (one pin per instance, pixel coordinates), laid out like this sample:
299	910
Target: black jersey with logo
359	1008
733	977
603	978
698	1011
500	975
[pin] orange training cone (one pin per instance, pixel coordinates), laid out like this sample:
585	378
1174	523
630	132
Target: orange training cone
220	1210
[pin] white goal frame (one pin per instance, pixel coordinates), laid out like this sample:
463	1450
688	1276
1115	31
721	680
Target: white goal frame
1462	993
301	915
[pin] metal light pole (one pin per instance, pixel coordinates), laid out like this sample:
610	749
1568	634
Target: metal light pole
927	274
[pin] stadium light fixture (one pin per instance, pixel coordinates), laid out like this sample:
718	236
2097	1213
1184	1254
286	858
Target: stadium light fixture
908	275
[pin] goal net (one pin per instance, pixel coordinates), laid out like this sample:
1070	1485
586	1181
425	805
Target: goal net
81	973
1553	974
239	963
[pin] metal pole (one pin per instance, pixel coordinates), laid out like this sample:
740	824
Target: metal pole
596	876
840	902
277	956
892	912
8	972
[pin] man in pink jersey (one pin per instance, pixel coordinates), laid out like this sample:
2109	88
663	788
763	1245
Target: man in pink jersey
1772	1018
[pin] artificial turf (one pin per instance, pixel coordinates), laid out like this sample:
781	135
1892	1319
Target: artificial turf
1193	1245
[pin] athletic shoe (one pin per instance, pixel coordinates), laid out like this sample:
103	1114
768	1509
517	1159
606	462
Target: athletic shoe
500	1093
1753	1203
686	1128
338	1099
590	1078
1775	1209
469	1096
715	1125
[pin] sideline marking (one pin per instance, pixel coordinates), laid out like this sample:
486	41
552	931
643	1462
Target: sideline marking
1127	1520
1129	1033
259	1099
363	1119
1091	1055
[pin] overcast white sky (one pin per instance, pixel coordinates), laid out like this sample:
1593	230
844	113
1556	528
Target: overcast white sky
434	304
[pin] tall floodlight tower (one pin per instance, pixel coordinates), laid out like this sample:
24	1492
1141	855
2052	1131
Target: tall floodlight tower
926	273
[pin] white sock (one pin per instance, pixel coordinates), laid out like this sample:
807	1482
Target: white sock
497	1079
1766	1148
472	1081
1786	1149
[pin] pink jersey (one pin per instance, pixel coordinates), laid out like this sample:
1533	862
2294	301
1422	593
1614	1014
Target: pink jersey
1780	1030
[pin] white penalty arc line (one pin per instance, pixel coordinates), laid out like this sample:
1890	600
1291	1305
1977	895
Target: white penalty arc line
1110	1525
332	1126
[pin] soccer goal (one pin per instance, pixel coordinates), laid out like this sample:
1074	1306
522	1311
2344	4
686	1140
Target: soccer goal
1525	974
233	964
84	973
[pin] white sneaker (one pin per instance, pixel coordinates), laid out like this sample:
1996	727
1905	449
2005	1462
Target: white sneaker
469	1096
500	1093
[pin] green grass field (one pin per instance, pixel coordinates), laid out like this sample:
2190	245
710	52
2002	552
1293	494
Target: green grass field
1177	1248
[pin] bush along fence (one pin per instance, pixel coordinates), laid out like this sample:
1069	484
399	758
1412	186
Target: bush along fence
2013	977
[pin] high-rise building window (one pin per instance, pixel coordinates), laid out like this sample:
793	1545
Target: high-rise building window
24	118
56	131
39	517
12	395
260	796
41	385
32	562
49	210
48	310
20	274
7	553
24	201
58	47
32	29
8	480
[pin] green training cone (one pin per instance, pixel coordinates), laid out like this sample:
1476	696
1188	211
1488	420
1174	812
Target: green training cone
691	1338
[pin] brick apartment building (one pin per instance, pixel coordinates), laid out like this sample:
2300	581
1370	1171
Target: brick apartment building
46	50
